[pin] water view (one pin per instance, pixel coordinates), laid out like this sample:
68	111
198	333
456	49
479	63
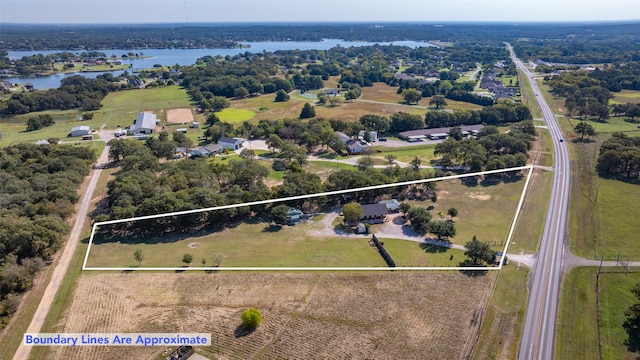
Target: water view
186	56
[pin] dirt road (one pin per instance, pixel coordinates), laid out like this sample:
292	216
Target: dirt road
65	258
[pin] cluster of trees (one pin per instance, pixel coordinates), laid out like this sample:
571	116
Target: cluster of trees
499	114
581	51
74	92
620	157
422	221
588	93
38	190
43	37
40	121
490	150
33	64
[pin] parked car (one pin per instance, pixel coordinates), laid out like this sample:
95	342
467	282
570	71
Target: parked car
385	139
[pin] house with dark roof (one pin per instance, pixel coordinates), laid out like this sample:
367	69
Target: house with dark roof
374	213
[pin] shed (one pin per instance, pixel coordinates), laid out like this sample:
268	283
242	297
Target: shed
392	205
294	215
372	134
231	143
182	130
80	131
145	124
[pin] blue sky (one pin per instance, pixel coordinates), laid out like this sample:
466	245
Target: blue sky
194	11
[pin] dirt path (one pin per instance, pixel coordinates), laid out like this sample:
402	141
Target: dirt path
67	253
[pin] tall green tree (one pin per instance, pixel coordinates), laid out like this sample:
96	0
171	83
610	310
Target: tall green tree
584	129
438	101
308	111
352	212
478	252
419	218
411	96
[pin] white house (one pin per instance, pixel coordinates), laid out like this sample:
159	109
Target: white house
80	131
372	134
231	143
145	124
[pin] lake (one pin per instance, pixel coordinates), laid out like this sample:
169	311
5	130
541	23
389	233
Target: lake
188	56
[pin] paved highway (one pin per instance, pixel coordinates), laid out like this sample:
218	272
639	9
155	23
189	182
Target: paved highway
540	320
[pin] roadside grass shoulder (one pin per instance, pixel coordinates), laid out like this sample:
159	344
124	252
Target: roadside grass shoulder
528	230
501	325
64	297
527	95
577	327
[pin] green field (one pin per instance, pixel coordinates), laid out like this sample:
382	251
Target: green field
617	209
245	245
626	96
613	124
578	332
406	154
484	211
119	108
235	116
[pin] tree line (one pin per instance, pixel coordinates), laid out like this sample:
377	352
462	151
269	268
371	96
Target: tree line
38	190
619	157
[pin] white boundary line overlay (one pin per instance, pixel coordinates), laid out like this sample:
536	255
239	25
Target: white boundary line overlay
308	196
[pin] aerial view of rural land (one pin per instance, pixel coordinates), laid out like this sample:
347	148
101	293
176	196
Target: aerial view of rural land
251	179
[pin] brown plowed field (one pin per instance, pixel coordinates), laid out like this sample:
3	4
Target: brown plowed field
179	116
419	315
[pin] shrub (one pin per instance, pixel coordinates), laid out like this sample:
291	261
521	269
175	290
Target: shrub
251	318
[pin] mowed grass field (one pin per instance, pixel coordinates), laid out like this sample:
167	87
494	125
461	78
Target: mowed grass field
626	96
484	211
378	99
119	108
348	315
578	335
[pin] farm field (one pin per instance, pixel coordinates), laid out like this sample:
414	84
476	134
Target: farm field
119	108
485	210
305	315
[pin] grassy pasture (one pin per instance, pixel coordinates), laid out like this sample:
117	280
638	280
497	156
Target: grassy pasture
406	154
626	96
580	332
613	124
577	331
119	108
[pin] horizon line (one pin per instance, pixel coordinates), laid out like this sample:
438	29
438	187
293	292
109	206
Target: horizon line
338	22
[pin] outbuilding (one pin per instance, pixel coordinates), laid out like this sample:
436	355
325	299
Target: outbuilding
80	131
145	124
231	143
